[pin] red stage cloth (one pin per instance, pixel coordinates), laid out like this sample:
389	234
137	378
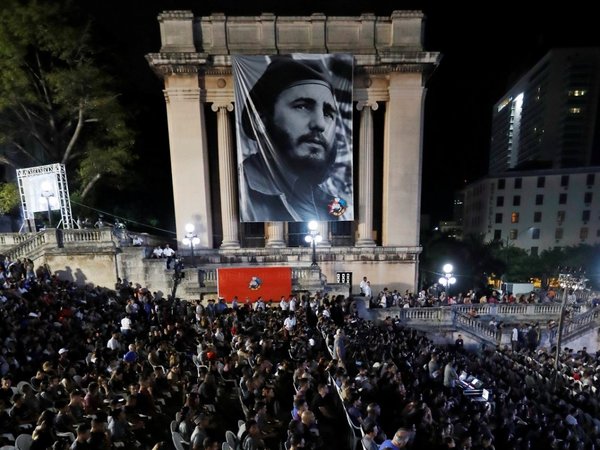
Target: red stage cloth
270	283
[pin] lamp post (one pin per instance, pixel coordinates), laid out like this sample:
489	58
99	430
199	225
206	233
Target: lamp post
448	278
47	193
313	237
568	279
191	239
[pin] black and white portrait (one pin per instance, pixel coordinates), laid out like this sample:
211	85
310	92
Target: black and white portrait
294	137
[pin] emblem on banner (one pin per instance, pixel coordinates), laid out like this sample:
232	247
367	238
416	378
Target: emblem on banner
337	206
255	283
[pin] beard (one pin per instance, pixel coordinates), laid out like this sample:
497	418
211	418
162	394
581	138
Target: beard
310	156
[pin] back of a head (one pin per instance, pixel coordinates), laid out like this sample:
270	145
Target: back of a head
307	418
82	428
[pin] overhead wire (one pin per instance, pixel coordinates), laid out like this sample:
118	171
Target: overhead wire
125	219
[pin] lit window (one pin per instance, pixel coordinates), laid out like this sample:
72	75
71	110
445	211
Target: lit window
575	110
513	234
514	217
577	93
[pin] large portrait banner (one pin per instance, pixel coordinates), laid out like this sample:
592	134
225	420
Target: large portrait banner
294	137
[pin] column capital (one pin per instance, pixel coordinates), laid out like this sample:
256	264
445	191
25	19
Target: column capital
224	104
367	104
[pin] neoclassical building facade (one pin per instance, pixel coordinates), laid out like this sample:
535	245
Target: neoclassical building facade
390	67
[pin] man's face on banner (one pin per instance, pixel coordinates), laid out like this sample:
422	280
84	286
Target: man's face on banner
303	128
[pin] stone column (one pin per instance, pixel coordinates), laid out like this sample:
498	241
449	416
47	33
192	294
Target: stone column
227	177
365	175
402	160
324	232
274	233
189	156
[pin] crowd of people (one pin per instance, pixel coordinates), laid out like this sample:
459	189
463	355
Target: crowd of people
436	295
91	367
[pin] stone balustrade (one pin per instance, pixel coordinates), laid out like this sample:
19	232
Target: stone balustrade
477	327
8	240
581	321
30	245
86	236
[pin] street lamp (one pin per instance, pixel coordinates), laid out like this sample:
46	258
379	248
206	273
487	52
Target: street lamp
568	279
448	278
191	239
313	237
47	193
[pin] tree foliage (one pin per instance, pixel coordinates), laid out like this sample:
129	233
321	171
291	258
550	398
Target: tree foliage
472	259
475	260
9	197
57	105
521	266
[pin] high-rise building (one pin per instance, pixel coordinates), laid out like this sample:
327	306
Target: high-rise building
549	118
542	188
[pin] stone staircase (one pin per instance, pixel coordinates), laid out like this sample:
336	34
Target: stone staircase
473	320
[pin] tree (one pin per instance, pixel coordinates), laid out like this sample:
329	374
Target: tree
57	104
9	197
471	257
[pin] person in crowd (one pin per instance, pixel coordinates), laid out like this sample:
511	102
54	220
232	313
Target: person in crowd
168	253
400	440
83	436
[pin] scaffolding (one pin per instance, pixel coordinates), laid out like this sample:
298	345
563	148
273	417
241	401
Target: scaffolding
44	188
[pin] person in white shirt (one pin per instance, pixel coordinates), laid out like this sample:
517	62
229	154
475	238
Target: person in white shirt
260	304
168	253
293	303
362	285
383	298
290	322
125	325
157	252
367	290
113	343
514	338
284	304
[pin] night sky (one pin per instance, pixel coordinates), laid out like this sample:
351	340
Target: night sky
483	52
